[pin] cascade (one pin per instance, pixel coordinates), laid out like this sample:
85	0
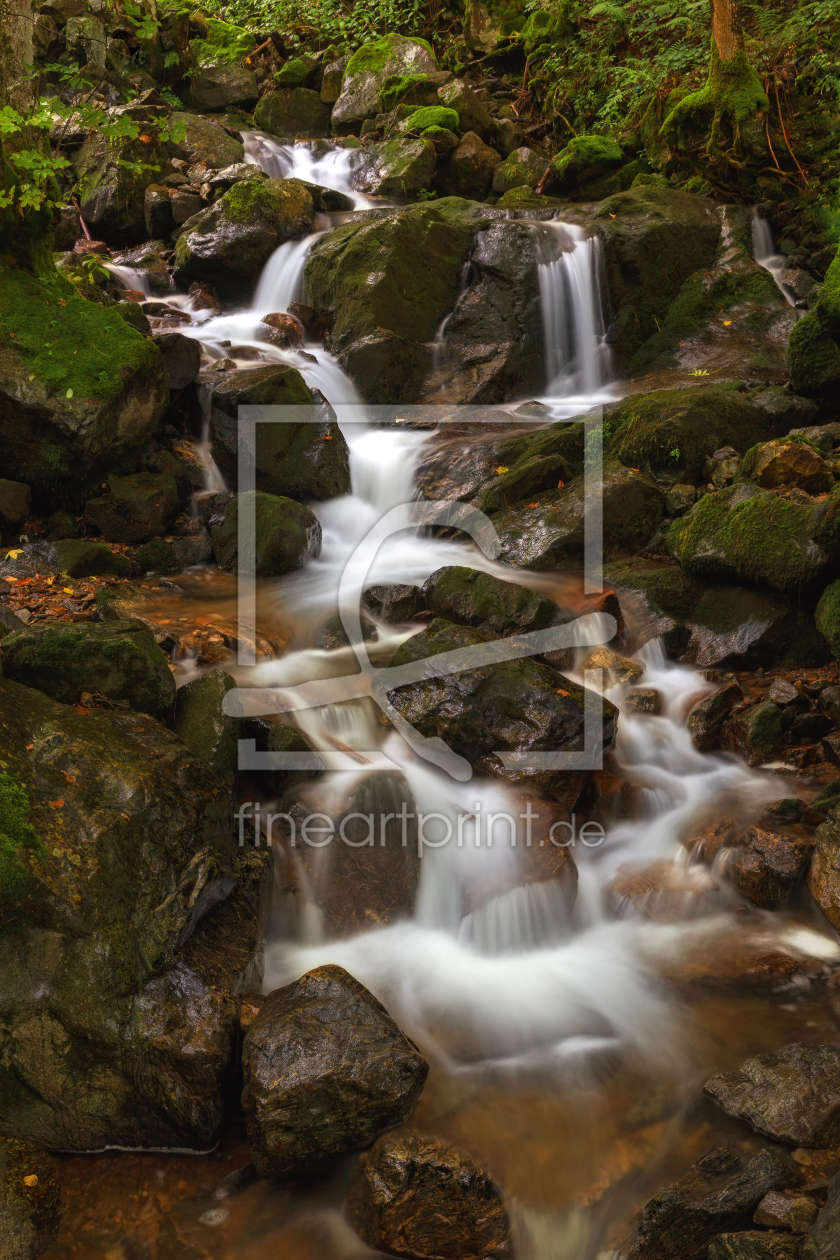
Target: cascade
577	358
765	255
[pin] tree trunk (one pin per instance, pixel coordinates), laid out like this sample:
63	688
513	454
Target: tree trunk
733	94
26	235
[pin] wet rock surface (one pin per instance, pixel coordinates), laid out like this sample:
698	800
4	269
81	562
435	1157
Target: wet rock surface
30	1200
792	1095
327	1071
414	1196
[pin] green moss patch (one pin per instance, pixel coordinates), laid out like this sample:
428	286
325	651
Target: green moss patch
585	158
431	116
223	44
828	617
17	836
67	343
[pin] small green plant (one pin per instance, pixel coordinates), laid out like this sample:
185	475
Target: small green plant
699	372
427	194
675	454
17	836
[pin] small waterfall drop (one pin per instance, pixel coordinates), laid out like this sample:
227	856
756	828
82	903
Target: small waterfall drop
765	255
315	161
577	357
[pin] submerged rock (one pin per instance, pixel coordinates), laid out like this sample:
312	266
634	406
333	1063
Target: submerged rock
116	659
327	1071
229	243
514	706
791	1095
30	1200
415	1196
755	1245
718	1194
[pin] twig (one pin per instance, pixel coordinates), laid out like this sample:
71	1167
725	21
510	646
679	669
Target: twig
784	133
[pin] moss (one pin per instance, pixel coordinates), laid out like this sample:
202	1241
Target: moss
651	180
813	358
828	617
17	835
397	86
542	30
223	44
70	345
703	296
759	537
732	94
293	74
373	58
81	557
157	557
828	306
431	116
585	158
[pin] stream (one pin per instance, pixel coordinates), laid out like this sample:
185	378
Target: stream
567	1042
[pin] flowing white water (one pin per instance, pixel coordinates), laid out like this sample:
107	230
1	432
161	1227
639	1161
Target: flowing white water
315	161
764	253
577	357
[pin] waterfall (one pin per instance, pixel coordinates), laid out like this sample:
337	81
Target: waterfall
577	357
281	281
315	161
129	277
765	255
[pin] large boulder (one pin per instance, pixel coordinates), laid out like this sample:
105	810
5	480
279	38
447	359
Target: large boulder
286	535
200	721
791	1095
135	508
813	359
719	1193
747	534
654	239
327	1071
468	172
217	87
385	286
493	346
204	140
415	1196
397	169
81	392
112	180
767	865
584	160
674	432
229	243
119	660
293	112
30	1200
542	535
293	457
367	71
15	501
135	924
505	706
472	114
468	597
521	167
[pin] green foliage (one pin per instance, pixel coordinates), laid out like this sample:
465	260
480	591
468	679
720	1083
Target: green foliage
223	44
335	21
431	116
17	836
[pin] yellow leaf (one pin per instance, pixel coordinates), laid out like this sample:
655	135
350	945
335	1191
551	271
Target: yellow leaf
502	468
727	322
31	1180
68	590
11	555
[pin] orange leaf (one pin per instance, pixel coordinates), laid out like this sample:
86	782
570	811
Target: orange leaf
56	804
560	485
31	1180
80	708
145	139
29	747
561	693
125	816
71	778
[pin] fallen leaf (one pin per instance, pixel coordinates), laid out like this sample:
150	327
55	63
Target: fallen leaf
11	579
125	816
328	438
727	322
68	590
560	485
533	505
560	692
502	468
80	708
31	1180
29	747
145	139
612	216
71	778
56	804
11	555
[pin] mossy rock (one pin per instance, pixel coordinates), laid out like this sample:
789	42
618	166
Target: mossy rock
445	142
83	557
111	179
542	30
138	849
654	239
200	721
583	159
370	68
813	359
132	314
828	617
472	113
828	305
407	89
394	278
19	842
81	390
285	536
229	243
223	44
468	597
522	167
205	141
675	431
293	112
746	534
398	168
118	660
30	1200
430	116
293	74
295	457
136	508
